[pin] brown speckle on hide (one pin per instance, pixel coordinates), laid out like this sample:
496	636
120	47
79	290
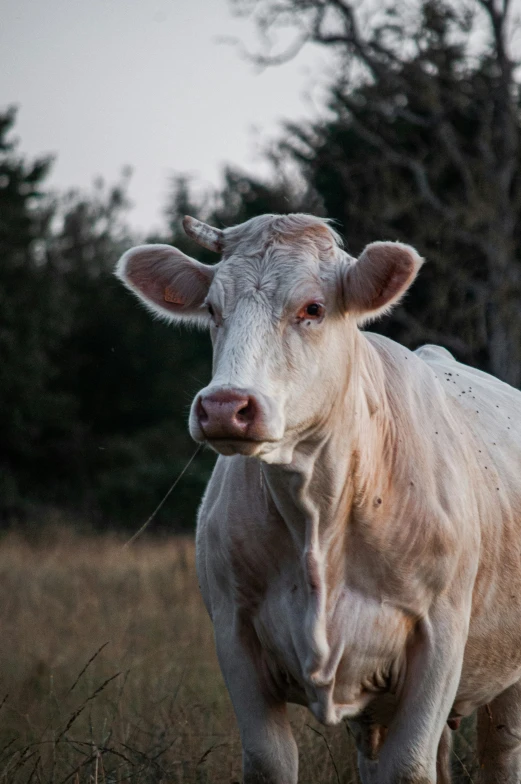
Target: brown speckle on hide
314	232
317	235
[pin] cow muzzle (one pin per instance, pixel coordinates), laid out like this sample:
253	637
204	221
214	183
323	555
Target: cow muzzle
234	421
228	414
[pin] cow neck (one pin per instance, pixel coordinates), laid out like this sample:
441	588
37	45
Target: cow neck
331	472
338	463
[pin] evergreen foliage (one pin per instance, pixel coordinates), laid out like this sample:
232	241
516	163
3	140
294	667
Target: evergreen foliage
94	394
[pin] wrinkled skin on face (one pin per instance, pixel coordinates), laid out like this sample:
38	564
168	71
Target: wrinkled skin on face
274	315
359	542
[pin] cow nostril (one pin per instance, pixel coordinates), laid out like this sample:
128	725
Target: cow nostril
202	413
246	413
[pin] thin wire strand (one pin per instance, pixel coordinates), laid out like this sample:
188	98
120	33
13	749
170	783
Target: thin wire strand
158	507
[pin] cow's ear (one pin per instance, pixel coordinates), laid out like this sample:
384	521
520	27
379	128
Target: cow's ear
379	278
171	284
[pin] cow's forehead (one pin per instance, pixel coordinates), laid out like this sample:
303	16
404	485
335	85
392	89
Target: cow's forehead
277	273
277	254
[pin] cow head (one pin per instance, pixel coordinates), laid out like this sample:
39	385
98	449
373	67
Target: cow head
282	306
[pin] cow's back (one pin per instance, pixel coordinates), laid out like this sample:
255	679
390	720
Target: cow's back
490	408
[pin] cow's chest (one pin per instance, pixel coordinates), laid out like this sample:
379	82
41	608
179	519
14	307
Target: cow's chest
331	649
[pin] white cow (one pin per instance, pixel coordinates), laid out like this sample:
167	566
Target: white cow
359	542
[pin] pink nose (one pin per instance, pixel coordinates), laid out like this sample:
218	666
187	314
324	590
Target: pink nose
228	413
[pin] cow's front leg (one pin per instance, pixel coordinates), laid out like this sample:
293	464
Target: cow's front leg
434	660
269	750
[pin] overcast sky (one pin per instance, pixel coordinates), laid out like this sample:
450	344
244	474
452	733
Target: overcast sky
104	83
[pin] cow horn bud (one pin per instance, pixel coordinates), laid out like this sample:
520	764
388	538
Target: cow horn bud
203	234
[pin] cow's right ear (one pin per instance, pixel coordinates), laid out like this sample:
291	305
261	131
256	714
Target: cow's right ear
169	283
379	279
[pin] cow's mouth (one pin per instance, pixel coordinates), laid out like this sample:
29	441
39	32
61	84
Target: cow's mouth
240	446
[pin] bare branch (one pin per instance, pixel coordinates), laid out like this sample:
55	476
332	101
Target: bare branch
398	158
419	173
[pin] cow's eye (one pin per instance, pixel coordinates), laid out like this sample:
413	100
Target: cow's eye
312	311
211	311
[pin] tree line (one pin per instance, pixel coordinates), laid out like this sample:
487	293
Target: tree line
419	143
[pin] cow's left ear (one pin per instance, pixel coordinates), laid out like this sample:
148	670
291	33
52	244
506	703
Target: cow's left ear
168	282
379	278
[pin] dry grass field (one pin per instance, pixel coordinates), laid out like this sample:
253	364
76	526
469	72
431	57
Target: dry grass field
108	672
